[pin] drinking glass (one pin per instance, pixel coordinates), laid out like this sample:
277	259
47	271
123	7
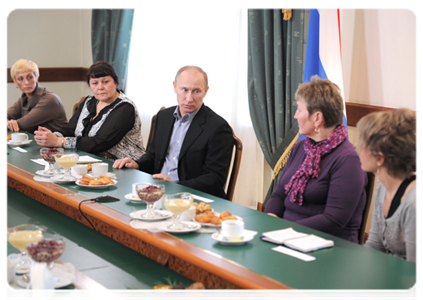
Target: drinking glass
177	204
150	193
67	161
48	155
18	237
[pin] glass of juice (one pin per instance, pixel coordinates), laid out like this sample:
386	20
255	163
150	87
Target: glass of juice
150	193
67	161
177	204
18	237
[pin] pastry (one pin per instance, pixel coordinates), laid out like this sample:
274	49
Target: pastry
105	179
87	177
96	182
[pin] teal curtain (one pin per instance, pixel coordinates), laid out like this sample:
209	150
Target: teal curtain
275	70
111	31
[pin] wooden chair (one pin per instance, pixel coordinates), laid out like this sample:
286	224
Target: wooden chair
150	136
234	168
76	106
369	191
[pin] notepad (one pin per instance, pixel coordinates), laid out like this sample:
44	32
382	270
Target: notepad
297	240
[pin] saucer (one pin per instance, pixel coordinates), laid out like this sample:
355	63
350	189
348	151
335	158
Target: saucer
59	179
134	199
63	278
191	227
42	174
246	238
160	215
19	144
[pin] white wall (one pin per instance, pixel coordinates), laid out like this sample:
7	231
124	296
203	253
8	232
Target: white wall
379	56
51	38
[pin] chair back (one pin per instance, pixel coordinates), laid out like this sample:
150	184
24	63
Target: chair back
150	136
76	105
369	191
234	168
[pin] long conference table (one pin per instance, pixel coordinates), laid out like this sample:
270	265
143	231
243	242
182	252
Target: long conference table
115	255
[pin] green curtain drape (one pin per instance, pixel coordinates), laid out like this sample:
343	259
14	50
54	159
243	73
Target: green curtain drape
275	70
111	31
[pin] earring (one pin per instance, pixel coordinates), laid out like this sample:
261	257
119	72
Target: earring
317	130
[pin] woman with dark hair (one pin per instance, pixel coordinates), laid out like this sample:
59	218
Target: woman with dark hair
387	147
322	185
106	124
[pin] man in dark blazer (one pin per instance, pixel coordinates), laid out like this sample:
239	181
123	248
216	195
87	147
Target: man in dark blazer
192	145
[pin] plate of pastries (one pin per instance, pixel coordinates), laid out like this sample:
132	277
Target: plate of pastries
207	217
101	182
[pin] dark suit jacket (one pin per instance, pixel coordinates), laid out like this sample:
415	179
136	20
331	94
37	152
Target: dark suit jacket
205	154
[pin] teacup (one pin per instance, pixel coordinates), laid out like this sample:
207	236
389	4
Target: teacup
189	214
80	170
232	229
10	271
100	169
19	137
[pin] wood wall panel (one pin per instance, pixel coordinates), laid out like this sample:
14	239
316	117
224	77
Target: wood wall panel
58	74
355	111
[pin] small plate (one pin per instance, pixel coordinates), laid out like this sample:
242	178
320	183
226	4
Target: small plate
134	199
219	238
59	179
96	187
22	144
41	173
161	215
192	226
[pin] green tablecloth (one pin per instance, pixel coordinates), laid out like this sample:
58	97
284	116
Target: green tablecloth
345	266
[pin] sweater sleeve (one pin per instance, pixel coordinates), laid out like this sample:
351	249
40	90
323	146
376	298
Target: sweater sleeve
374	241
41	113
117	124
275	204
346	188
14	112
114	128
408	226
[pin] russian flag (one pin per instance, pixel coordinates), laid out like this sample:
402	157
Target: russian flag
323	52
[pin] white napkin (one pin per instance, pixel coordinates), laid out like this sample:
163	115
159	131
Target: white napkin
41	277
42	162
87	159
202	198
20	149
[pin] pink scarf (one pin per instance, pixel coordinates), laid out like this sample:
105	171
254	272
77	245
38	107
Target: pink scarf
310	167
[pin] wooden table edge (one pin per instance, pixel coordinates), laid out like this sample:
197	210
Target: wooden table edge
206	260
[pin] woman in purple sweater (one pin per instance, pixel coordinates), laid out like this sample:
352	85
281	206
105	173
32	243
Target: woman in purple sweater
322	185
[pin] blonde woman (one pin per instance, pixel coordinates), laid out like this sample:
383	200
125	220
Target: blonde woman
37	106
387	147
